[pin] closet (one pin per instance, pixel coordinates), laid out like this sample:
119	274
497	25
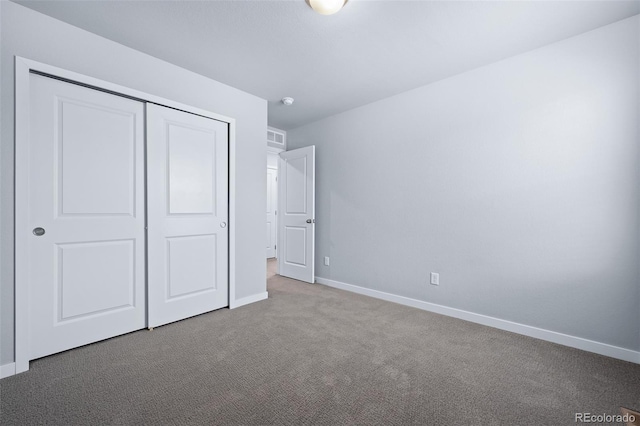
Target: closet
126	215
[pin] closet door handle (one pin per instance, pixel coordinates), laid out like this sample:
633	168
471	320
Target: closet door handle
223	224
38	232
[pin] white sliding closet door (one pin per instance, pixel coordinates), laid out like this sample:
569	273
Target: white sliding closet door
85	224
187	204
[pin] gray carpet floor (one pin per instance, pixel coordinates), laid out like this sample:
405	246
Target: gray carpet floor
316	355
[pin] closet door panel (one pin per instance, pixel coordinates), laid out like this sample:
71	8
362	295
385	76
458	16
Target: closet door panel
187	178
85	216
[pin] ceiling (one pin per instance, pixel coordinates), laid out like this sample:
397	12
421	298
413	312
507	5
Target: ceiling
368	51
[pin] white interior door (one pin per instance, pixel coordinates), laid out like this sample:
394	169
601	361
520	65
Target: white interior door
296	214
272	205
187	208
85	216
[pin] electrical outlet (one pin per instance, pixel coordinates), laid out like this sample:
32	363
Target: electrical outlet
326	261
435	278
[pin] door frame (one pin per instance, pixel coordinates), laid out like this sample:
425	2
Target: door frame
23	68
275	152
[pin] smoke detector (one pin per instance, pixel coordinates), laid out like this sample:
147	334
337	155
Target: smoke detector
287	101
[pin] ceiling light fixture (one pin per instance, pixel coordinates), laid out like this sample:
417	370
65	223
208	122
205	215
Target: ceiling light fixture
326	7
287	101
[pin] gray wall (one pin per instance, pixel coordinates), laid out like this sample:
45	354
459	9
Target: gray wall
517	182
35	36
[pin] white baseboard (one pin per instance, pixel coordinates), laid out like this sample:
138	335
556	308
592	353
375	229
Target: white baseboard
249	299
7	370
527	330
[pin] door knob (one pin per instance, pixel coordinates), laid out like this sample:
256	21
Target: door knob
223	224
308	220
38	232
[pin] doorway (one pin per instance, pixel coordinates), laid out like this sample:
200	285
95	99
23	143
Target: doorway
272	212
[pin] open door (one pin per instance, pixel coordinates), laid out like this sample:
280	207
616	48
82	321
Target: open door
296	211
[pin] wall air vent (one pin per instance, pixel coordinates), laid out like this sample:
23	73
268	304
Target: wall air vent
276	138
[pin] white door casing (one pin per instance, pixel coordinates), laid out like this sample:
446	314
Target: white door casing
296	214
272	205
85	186
187	202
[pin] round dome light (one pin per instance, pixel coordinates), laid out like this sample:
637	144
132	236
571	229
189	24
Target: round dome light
326	7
